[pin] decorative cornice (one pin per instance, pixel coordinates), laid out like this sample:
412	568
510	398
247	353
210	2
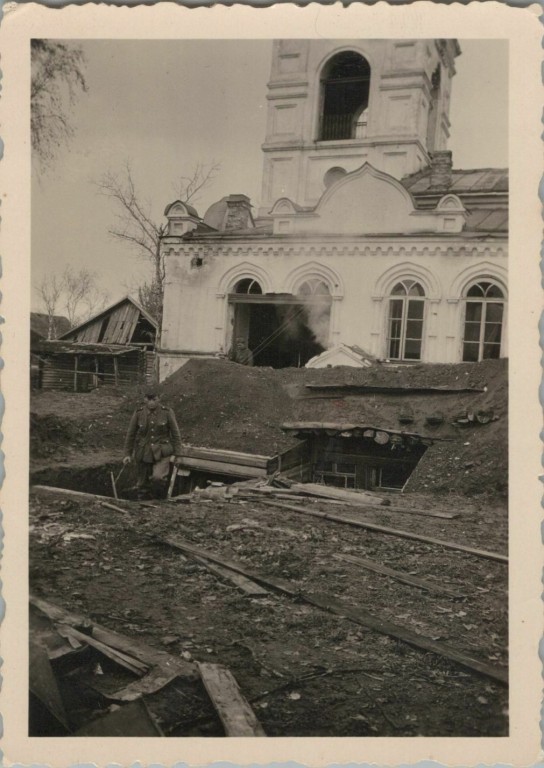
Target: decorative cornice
332	247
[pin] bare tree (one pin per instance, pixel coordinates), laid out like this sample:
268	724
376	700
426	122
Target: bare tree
56	78
50	290
82	297
137	227
75	294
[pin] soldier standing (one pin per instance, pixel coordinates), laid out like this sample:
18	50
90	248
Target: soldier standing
153	437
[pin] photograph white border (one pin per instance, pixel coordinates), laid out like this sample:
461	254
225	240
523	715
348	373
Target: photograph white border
522	28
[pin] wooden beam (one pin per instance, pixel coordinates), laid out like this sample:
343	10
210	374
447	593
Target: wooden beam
295	494
242	582
391	531
234	711
221	467
116	371
332	604
133	665
406	578
355	614
329	492
233	457
50	489
148	655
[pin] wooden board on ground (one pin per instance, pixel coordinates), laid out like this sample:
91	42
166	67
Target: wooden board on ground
49	489
148	655
384	529
297	495
329	492
405	578
128	662
242	582
332	603
234	711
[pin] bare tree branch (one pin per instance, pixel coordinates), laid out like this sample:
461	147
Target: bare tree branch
136	226
56	80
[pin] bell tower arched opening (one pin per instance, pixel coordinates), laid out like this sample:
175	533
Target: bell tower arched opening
345	87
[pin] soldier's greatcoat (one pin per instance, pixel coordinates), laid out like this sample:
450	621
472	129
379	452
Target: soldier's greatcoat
152	434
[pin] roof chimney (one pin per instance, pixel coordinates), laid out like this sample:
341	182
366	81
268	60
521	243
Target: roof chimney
441	167
238	213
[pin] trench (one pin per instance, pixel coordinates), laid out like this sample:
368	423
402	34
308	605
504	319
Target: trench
97	480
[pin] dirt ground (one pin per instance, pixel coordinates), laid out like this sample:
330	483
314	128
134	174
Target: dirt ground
224	405
306	671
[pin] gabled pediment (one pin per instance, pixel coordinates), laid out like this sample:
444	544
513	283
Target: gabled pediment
370	202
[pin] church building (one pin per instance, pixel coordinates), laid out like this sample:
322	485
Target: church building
367	244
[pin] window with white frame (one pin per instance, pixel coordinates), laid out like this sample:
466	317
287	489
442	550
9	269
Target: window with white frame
483	323
405	321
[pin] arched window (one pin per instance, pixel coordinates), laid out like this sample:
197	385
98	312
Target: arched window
405	321
314	287
345	85
247	285
484	309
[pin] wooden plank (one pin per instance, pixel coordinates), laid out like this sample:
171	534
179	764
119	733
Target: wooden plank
406	578
190	549
155	679
331	603
242	582
334	605
329	492
148	655
234	711
233	457
133	665
393	390
222	468
391	531
51	489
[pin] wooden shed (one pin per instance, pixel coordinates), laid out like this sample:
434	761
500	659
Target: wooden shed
80	367
115	346
124	322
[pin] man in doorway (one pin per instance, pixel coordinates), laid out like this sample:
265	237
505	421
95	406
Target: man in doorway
240	353
153	437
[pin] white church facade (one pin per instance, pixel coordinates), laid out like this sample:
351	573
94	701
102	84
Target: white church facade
367	240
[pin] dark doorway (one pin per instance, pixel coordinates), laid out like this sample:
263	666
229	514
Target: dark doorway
279	335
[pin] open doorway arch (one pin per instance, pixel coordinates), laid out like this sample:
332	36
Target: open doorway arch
282	330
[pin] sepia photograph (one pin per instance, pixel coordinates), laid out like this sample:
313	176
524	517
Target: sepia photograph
273	461
269	434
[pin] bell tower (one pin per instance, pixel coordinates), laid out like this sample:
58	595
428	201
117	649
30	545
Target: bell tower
335	104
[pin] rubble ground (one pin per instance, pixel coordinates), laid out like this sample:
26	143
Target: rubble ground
305	671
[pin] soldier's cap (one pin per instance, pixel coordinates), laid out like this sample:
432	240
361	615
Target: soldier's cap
151	392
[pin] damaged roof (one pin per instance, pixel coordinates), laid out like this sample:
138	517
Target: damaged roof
59	347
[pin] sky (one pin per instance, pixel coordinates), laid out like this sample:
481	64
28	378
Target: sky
163	106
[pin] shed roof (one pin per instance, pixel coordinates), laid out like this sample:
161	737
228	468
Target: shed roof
59	347
109	309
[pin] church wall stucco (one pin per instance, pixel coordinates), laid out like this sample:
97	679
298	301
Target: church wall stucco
360	276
